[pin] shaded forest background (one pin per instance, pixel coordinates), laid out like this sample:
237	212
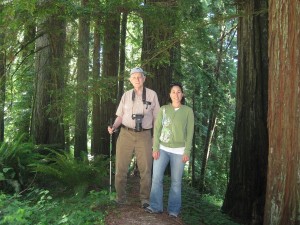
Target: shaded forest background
64	66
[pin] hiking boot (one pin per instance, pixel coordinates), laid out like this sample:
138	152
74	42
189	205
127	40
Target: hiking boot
145	205
150	210
173	215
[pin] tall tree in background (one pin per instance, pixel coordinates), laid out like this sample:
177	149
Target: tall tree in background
245	194
122	54
159	45
110	68
27	78
2	77
283	187
220	46
96	140
81	114
49	67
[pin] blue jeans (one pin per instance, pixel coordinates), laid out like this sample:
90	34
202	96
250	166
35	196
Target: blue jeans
156	194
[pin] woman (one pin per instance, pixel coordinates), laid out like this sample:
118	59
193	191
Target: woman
173	134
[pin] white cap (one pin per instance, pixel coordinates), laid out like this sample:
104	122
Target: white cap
137	70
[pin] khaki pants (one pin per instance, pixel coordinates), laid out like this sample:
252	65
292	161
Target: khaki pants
141	144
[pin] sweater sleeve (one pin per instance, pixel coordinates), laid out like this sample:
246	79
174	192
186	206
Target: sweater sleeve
189	132
157	129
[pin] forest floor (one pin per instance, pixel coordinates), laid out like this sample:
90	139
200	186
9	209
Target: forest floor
133	214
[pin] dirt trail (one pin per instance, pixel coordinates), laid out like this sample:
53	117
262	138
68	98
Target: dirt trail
133	214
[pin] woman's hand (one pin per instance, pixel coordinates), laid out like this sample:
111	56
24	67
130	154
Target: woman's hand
155	155
185	158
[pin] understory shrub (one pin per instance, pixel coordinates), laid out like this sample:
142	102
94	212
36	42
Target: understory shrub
14	160
202	209
38	207
72	173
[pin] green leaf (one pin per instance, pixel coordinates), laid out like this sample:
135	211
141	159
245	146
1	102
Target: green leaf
2	176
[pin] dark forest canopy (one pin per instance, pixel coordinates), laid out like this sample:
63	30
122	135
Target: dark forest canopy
68	64
65	64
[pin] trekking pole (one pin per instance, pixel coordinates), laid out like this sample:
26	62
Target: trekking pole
110	152
110	149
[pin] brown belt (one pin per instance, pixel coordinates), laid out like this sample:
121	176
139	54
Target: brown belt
130	129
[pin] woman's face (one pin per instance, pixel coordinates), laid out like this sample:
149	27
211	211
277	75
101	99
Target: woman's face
176	94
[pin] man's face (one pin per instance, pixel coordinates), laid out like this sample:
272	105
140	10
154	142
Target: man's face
137	80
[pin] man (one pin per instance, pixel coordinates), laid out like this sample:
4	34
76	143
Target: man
136	113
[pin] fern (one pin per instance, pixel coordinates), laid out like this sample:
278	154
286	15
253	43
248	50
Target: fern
14	159
72	173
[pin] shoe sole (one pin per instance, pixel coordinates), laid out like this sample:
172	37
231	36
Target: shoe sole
151	211
173	215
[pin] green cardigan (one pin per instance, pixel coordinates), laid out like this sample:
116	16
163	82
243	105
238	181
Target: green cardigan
174	128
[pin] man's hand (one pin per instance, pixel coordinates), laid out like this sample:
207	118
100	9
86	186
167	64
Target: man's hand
110	129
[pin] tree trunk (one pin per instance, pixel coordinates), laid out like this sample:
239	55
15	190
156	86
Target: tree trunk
27	84
110	70
192	168
81	113
283	187
209	136
158	61
245	193
2	81
49	66
96	140
213	103
122	56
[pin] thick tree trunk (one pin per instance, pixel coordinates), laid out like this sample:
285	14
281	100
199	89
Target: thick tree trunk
58	41
283	188
49	66
158	61
245	194
110	70
96	140
81	113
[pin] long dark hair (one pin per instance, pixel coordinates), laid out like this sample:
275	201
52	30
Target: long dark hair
180	86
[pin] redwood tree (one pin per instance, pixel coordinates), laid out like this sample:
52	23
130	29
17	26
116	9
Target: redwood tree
159	45
49	68
110	68
283	188
95	142
81	112
245	193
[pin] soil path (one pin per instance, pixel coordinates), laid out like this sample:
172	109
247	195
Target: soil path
133	214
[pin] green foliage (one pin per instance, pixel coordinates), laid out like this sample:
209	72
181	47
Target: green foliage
14	159
206	33
38	207
209	75
14	211
73	173
198	209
